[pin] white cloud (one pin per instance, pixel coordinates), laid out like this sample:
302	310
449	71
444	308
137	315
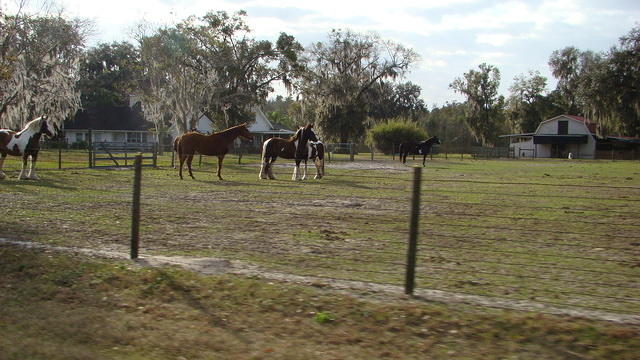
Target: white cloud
495	58
494	39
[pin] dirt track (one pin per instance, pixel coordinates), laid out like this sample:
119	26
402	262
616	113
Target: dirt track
212	266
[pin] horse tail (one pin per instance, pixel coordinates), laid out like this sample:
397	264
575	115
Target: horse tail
264	168
175	143
321	156
265	149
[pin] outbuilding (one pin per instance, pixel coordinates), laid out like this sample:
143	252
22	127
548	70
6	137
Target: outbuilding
559	137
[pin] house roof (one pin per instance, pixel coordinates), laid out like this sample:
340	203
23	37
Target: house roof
111	118
262	125
591	126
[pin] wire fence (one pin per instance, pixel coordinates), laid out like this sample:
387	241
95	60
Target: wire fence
588	262
60	155
571	244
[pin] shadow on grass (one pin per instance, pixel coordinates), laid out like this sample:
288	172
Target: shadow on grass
14	183
196	303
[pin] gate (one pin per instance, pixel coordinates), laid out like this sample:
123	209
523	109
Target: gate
122	154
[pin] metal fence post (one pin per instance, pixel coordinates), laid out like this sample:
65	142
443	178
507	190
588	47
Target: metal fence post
413	232
135	208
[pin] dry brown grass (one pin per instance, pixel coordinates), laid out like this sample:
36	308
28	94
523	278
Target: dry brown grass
54	306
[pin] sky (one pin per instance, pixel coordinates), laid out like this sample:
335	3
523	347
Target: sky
451	36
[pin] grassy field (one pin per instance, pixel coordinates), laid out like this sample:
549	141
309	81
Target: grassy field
56	306
559	234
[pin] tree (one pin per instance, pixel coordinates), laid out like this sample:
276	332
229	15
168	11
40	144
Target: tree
388	100
387	136
484	106
109	74
526	105
610	91
210	65
338	75
174	88
624	61
603	86
39	62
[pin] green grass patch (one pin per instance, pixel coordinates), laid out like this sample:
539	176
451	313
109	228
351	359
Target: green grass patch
554	231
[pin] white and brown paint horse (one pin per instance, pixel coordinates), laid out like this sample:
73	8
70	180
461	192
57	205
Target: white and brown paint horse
25	143
302	146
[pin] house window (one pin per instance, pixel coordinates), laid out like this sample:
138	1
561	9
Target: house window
79	137
563	127
134	137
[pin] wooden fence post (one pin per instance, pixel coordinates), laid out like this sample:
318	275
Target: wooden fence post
90	145
135	208
413	232
155	155
59	155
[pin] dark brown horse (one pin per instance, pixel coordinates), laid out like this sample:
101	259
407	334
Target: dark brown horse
215	144
303	141
25	143
417	148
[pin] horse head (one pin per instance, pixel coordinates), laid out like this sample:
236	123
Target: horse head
303	135
244	132
436	140
47	127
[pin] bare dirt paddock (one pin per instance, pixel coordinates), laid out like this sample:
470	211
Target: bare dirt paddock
558	237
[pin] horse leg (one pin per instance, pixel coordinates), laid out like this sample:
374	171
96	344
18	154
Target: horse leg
264	167
317	163
304	176
296	171
22	175
424	158
2	157
189	160
32	170
181	159
220	158
270	172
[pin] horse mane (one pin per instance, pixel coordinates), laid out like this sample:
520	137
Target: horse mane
230	129
34	125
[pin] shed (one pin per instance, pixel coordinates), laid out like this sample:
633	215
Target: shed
557	138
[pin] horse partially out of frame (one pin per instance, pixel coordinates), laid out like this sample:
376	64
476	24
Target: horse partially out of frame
25	143
216	144
303	143
417	148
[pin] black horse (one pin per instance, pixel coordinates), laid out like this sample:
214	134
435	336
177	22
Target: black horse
417	148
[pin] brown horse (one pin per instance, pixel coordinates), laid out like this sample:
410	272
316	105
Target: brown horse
305	141
215	144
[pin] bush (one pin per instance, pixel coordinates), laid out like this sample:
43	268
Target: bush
387	135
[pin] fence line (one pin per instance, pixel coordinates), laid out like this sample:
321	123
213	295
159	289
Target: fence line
377	252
